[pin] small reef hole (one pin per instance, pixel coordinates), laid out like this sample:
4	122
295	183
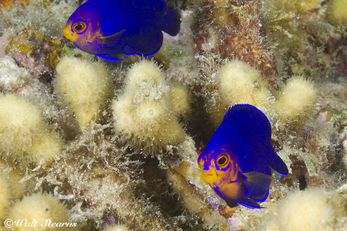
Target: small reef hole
302	182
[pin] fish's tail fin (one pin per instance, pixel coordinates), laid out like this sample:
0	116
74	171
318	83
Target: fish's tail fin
172	21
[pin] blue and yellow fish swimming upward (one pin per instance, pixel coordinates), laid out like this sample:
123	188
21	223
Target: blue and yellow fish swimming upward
238	159
108	28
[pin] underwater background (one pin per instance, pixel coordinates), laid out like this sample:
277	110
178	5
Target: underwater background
92	144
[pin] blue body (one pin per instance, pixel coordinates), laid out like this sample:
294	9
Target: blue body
245	134
126	26
247	131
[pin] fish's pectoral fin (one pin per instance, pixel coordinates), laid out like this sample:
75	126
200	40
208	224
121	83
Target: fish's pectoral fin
109	57
113	38
249	203
256	185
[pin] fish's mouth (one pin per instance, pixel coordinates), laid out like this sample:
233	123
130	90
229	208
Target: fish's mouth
69	34
208	176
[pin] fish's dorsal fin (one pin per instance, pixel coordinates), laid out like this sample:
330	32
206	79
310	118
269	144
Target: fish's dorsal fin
256	185
158	6
248	118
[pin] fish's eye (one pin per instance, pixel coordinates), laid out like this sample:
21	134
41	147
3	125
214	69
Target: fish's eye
223	160
79	26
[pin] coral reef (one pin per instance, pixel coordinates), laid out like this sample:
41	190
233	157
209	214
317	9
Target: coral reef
194	201
232	30
12	76
97	163
303	42
35	51
50	19
113	145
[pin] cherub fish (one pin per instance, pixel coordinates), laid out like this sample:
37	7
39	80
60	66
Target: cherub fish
238	159
108	28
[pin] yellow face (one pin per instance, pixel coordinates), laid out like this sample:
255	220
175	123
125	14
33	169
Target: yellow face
69	34
221	172
83	34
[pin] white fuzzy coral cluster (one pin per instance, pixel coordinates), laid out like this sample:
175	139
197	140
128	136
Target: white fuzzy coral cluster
338	11
309	210
296	98
239	83
14	177
302	6
116	228
149	107
4	196
84	87
24	133
43	209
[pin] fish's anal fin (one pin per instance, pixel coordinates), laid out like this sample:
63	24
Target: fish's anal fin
108	57
145	47
231	203
249	203
256	185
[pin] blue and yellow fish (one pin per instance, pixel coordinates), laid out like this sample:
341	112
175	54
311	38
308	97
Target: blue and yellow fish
108	28
238	159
